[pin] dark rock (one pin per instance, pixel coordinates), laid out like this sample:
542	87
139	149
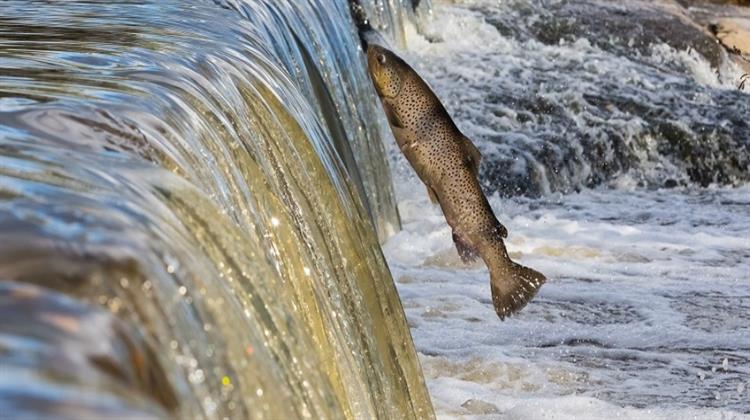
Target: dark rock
628	28
670	183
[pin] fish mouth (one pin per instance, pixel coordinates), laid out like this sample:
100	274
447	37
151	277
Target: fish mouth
372	66
372	62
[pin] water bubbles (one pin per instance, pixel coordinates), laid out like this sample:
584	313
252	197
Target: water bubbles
197	376
114	304
124	283
182	290
275	222
171	263
210	405
259	392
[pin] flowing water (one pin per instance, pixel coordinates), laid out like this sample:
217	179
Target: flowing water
213	174
620	168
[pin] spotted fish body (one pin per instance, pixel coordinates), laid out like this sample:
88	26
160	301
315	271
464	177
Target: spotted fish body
447	162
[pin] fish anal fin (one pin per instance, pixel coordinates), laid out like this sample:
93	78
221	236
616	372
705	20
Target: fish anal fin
466	252
472	154
432	194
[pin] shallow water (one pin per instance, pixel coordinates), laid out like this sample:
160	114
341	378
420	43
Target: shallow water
645	315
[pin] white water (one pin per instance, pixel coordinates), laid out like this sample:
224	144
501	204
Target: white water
647	311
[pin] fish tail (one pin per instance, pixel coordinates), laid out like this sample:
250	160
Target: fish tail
512	284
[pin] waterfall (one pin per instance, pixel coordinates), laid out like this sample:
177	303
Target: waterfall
212	174
394	17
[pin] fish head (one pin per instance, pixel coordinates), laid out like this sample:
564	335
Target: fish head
386	69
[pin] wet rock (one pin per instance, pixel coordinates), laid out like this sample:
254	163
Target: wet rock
670	183
729	22
479	407
629	28
734	33
688	3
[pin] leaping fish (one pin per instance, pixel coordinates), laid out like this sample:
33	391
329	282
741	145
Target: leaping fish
448	162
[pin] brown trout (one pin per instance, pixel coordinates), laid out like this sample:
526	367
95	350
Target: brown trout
448	162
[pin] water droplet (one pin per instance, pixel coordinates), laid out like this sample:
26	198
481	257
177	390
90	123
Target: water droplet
307	271
259	392
197	376
114	305
274	222
182	290
209	404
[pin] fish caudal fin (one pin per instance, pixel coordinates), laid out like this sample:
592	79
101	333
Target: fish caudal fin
513	286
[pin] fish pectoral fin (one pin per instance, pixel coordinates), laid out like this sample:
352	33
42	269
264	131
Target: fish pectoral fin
393	118
466	252
473	155
501	230
432	194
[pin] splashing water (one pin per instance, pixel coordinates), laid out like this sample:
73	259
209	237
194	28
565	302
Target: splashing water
645	315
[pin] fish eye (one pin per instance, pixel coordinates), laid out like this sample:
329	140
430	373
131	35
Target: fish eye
381	58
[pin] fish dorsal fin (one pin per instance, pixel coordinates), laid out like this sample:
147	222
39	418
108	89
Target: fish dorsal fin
473	155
